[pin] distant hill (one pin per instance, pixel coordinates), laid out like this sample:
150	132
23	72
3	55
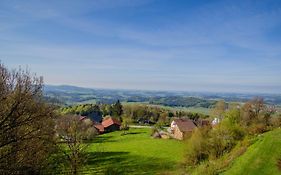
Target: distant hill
73	95
67	89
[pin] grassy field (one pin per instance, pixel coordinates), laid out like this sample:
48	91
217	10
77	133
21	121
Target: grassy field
134	153
261	157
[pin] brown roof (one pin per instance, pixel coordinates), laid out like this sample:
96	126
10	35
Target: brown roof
185	125
110	121
99	127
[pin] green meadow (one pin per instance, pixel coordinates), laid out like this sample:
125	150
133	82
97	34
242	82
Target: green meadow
137	153
134	153
261	158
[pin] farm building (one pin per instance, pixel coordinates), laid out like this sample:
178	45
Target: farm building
99	127
181	128
111	124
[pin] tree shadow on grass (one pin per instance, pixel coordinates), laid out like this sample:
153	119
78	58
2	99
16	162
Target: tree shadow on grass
103	139
134	133
124	163
279	164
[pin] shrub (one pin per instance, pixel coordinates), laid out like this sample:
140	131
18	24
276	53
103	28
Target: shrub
153	131
209	169
224	137
124	127
275	121
91	133
214	150
257	128
235	131
238	133
219	143
197	147
279	164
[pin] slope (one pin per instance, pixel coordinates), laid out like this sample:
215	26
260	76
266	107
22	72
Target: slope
261	157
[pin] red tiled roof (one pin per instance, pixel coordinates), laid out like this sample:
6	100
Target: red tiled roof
185	125
110	121
99	127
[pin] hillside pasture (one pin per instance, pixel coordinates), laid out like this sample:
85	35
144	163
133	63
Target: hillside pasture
134	153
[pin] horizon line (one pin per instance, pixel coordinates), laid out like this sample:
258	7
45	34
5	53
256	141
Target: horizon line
157	90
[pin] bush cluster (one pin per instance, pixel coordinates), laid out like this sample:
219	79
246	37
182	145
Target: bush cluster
210	144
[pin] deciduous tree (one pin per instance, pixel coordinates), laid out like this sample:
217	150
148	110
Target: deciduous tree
26	124
75	134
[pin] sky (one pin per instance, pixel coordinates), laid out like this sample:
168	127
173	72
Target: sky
182	45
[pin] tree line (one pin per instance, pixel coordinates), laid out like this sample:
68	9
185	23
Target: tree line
136	113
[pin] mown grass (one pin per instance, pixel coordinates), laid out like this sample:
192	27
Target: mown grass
134	153
261	158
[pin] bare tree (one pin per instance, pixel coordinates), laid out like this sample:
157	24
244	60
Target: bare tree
258	106
75	136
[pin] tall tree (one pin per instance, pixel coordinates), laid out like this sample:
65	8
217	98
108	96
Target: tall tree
95	113
117	109
26	123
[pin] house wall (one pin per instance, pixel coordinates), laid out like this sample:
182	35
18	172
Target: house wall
178	134
99	131
111	128
181	135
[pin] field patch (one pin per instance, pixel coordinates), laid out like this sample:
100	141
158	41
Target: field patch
134	153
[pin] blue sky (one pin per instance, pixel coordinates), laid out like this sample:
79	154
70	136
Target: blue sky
189	45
